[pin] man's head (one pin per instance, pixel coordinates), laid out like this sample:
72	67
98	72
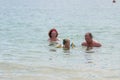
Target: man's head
88	37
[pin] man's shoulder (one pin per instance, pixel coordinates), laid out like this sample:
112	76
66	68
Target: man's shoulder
84	44
97	44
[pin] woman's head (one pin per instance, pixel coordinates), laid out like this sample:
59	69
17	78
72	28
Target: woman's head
53	33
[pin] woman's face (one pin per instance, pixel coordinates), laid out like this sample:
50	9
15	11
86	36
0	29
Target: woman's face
53	34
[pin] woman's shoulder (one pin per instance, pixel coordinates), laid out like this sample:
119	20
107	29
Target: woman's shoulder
55	42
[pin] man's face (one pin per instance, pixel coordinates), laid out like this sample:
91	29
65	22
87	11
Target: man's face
88	38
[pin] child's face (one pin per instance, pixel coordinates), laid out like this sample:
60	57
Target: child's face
67	43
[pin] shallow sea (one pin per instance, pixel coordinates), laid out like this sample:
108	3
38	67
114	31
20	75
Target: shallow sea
24	50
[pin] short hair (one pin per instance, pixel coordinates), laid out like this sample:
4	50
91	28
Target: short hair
90	34
49	34
64	41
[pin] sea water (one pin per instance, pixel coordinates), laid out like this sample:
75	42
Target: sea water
24	50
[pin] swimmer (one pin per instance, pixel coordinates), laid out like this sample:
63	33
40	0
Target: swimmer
53	34
66	44
89	42
53	37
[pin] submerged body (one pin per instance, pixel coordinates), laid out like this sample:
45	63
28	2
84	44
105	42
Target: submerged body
89	42
53	38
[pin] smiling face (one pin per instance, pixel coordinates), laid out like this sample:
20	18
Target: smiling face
53	34
88	37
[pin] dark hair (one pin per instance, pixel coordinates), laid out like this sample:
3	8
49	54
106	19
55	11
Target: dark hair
64	41
90	34
49	34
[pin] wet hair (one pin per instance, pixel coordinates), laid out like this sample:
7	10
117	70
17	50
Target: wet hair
64	41
90	34
49	34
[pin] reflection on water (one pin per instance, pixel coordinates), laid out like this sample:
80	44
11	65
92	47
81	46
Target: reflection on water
88	57
53	50
67	52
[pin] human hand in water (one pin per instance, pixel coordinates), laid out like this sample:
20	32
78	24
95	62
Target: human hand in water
88	48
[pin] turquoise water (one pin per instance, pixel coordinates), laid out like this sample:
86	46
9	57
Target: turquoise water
24	50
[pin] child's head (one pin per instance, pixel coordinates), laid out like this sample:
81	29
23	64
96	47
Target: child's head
66	44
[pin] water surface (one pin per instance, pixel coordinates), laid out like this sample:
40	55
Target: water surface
24	50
